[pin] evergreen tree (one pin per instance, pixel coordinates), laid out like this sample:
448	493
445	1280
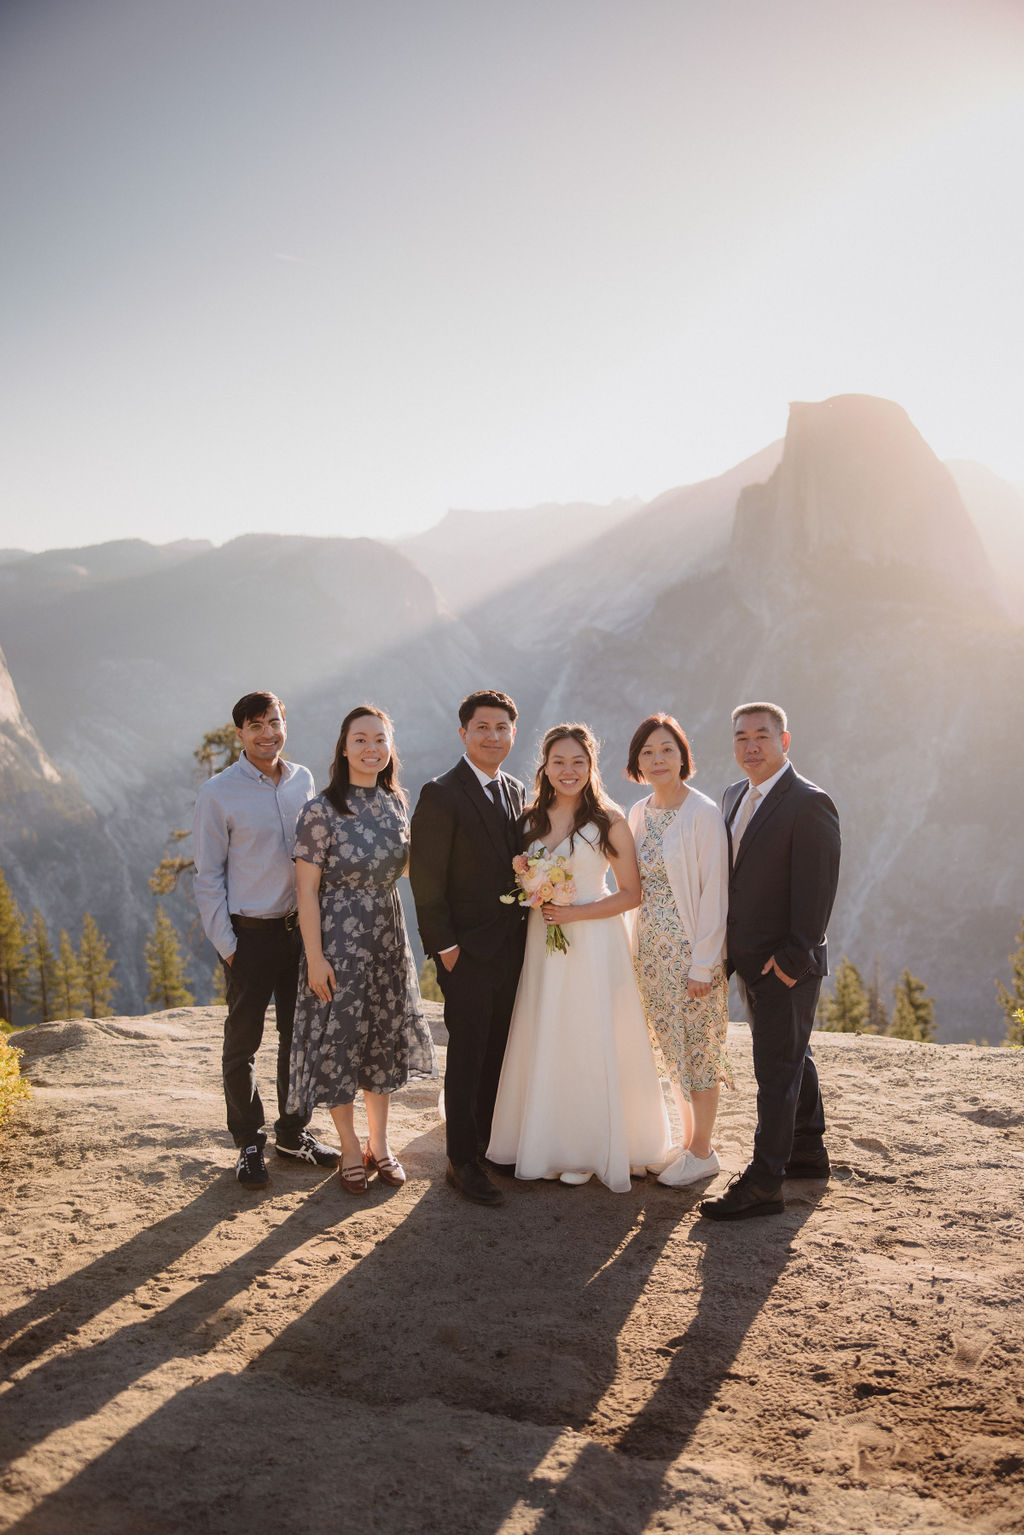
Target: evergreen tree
878	1018
1011	1002
913	1014
166	967
13	958
69	993
41	984
216	751
846	1010
97	970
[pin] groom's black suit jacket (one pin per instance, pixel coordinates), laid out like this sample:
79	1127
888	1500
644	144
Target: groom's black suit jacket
461	864
783	883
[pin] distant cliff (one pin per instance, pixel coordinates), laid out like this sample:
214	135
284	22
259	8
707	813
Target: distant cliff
838	572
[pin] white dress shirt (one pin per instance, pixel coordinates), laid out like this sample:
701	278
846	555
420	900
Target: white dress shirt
763	789
484	781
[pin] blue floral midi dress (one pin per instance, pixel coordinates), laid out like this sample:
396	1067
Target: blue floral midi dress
372	1034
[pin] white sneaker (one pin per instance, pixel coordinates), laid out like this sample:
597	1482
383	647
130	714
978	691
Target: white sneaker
575	1177
689	1169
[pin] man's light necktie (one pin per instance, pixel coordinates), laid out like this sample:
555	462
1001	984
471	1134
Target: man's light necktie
749	806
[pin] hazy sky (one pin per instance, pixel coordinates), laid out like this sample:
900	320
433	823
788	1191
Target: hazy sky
334	266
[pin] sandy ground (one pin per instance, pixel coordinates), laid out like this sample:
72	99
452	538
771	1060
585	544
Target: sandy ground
184	1357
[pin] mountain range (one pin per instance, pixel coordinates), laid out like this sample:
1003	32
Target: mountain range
844	571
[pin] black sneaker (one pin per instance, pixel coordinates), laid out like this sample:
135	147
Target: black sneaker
309	1149
250	1169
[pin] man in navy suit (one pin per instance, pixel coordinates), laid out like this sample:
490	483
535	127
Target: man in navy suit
464	837
784	844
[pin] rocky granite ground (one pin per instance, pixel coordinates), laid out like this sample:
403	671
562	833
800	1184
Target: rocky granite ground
185	1357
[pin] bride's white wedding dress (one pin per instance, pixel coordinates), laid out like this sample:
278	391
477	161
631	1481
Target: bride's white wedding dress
579	1092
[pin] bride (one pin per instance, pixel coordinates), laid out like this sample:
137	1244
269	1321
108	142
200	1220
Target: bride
579	1093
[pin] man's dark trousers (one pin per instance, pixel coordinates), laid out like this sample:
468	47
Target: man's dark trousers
478	999
790	1115
265	968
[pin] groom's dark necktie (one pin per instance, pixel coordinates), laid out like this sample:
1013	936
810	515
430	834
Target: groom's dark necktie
497	798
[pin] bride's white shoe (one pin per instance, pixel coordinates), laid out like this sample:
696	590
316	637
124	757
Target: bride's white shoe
688	1169
675	1154
575	1177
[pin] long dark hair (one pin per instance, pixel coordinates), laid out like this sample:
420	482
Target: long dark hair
594	803
337	790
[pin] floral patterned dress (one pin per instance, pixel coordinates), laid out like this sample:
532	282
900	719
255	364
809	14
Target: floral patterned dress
690	1032
371	1034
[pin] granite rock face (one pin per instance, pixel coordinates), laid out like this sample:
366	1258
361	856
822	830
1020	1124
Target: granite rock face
838	573
23	761
860	496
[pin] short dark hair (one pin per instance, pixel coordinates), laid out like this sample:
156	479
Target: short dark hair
488	698
253	706
647	728
776	711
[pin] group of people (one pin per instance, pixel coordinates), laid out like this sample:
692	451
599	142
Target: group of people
553	1055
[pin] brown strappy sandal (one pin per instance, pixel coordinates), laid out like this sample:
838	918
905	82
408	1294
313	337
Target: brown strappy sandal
353	1178
388	1169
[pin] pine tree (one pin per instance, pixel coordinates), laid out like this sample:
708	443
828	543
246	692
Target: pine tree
1011	1002
913	1014
13	958
97	970
878	1018
69	992
166	967
41	983
216	751
846	1010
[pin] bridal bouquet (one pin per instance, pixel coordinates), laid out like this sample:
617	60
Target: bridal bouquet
540	879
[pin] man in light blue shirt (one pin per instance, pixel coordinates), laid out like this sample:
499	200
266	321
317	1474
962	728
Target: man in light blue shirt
244	836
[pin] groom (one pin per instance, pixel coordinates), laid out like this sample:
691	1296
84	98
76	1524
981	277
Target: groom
463	842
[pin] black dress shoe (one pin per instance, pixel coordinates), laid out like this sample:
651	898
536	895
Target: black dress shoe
470	1180
814	1164
742	1199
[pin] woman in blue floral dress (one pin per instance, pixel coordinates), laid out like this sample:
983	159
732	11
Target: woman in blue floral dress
358	1020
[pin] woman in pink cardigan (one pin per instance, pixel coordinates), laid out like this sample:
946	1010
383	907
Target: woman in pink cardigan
679	935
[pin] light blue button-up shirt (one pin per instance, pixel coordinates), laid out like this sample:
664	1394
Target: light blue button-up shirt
243	834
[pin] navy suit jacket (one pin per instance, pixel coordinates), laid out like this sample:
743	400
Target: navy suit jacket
461	864
783	883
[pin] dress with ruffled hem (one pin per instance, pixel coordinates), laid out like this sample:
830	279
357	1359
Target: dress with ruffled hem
372	1034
